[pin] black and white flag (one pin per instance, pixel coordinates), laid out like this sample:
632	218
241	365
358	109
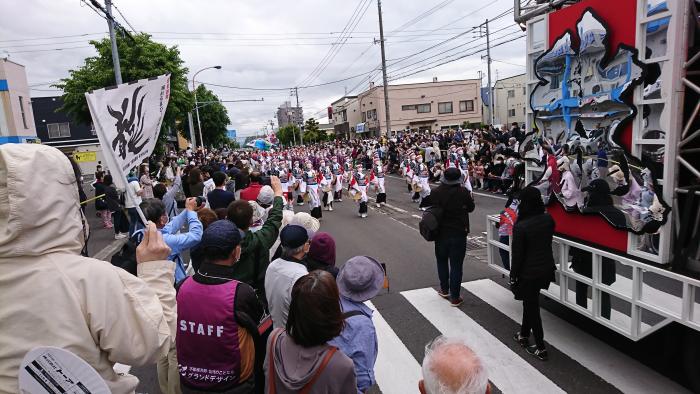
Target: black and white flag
127	120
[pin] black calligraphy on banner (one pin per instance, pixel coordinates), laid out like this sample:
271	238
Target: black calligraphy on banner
129	129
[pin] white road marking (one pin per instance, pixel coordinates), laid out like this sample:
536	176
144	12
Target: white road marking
416	216
490	195
626	374
110	249
396	370
506	369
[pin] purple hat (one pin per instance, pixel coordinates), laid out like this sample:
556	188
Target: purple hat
323	249
360	278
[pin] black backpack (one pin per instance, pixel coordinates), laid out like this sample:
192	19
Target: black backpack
125	258
430	223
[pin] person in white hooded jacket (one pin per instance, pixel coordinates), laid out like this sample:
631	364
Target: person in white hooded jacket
52	296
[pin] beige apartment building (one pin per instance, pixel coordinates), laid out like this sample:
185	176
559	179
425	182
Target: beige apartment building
346	116
509	100
416	106
16	115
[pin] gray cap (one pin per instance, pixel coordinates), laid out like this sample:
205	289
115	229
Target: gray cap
266	195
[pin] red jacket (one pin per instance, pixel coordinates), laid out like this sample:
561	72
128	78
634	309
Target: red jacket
251	192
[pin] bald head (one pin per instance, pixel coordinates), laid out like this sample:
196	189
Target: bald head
451	367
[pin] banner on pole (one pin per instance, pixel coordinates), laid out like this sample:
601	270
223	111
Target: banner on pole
127	120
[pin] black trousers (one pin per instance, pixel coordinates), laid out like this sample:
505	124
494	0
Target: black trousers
363	207
316	212
327	200
337	195
120	222
532	322
381	197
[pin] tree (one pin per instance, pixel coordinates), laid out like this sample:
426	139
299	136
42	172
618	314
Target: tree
214	119
311	131
139	59
286	134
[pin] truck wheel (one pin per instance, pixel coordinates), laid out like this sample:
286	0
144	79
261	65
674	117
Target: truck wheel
691	359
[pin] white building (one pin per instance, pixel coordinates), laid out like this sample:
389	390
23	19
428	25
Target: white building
510	100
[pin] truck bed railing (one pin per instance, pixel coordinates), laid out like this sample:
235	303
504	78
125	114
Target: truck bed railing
630	297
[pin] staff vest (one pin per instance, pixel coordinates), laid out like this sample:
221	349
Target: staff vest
208	351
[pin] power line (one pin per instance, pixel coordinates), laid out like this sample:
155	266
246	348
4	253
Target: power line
424	15
458	58
52	49
456	47
53	37
512	64
331	54
123	17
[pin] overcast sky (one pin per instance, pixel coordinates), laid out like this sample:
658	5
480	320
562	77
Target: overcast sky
273	44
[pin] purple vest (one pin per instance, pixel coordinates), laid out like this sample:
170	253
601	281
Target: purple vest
208	352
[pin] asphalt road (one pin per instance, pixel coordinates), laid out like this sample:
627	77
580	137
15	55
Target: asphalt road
580	350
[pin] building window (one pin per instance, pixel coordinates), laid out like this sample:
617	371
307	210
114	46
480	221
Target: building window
523	110
364	116
445	108
92	129
408	108
466	106
524	91
511	93
511	112
423	108
21	110
58	130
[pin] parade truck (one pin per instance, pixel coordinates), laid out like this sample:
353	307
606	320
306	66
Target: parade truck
613	144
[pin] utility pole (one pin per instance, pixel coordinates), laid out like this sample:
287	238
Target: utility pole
113	39
191	125
488	56
386	86
301	122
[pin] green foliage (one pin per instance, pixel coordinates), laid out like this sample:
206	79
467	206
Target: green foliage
139	59
312	133
285	135
214	119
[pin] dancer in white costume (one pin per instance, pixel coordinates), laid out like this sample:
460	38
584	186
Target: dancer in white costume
358	189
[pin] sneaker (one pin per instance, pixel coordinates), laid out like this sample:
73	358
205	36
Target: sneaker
120	235
422	208
330	208
339	200
444	294
523	341
379	205
459	301
539	353
364	215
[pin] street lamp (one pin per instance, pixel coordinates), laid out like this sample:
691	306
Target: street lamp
196	108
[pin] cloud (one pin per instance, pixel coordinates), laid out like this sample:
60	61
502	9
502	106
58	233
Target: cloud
263	44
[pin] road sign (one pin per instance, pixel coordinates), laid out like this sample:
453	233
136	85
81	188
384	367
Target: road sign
83	157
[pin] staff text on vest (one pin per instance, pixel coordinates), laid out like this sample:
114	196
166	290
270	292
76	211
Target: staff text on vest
201	329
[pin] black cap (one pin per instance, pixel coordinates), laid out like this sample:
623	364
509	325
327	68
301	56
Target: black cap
293	236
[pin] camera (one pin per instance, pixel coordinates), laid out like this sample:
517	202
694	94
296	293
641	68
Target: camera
200	201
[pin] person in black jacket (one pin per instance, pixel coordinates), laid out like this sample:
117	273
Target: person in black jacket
114	204
451	243
532	266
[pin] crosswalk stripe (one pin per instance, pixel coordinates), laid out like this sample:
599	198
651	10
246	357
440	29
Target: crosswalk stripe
625	373
396	370
506	369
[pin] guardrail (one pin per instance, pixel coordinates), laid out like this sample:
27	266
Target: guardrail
628	296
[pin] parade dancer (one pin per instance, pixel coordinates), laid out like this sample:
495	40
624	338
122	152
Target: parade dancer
377	177
407	170
463	164
358	189
299	187
337	180
326	180
310	179
422	176
285	180
416	187
347	171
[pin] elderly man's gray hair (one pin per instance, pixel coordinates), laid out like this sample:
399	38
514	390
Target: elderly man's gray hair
451	367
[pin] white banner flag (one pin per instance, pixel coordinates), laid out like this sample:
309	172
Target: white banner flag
127	120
